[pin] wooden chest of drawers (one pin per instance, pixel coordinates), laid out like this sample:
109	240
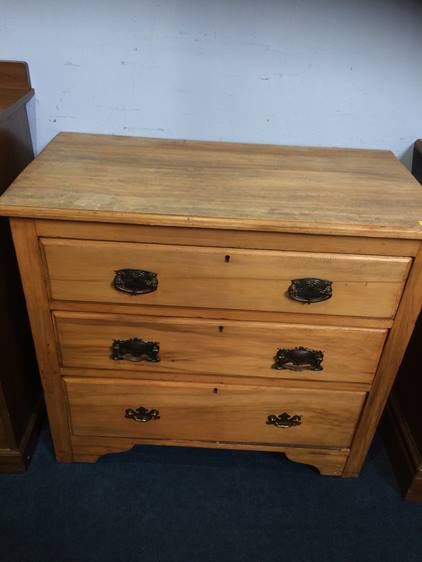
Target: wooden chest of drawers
217	295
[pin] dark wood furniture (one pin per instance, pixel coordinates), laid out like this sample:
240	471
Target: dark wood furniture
403	416
20	394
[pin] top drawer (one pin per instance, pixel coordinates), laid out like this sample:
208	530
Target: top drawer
84	270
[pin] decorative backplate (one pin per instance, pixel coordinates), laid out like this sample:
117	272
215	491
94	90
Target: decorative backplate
135	281
310	289
141	414
284	420
135	350
298	359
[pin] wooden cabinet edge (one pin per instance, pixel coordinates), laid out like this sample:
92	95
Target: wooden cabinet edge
34	286
290	380
15	77
20	392
392	355
16	460
174	220
327	462
294	382
191	236
222	314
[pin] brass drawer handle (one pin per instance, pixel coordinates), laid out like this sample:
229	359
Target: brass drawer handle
298	359
284	420
310	289
135	350
135	281
141	414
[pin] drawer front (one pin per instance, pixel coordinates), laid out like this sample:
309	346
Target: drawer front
254	349
203	412
225	278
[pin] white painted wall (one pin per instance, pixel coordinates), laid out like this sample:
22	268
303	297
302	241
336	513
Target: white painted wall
304	72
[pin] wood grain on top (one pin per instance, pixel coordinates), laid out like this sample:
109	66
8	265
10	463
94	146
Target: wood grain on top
210	184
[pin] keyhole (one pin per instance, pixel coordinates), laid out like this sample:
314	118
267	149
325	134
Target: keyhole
220	328
215	390
227	259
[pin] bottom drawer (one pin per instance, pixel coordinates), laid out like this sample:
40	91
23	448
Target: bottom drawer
203	412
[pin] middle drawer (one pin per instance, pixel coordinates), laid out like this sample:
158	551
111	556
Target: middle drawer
202	346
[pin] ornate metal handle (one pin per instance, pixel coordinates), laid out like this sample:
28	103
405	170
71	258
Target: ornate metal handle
135	281
284	420
135	350
310	290
141	414
298	359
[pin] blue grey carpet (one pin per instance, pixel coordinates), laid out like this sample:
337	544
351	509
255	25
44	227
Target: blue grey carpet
159	504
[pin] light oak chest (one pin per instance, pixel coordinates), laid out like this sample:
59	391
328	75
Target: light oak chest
217	295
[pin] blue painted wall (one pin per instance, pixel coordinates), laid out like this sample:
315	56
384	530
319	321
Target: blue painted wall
304	72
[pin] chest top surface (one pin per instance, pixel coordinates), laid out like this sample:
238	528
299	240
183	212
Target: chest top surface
218	185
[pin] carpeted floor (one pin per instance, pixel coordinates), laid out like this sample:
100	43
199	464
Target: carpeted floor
158	504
